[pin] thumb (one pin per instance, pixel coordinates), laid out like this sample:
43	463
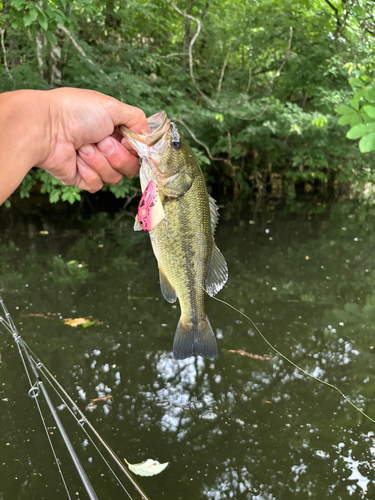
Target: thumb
123	114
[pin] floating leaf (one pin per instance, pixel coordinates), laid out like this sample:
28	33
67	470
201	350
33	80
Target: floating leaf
250	355
88	323
78	322
91	407
148	468
104	398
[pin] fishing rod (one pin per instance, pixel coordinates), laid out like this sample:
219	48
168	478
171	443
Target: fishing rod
38	369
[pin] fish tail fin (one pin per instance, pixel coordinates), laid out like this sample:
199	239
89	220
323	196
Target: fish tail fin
198	340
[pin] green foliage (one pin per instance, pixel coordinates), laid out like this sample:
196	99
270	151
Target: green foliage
260	108
360	115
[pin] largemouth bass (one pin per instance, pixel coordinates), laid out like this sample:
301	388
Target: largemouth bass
181	219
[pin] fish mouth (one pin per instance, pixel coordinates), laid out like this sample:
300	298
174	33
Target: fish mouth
149	142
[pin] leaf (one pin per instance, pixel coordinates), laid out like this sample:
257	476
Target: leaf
104	398
43	21
345	110
89	323
367	143
51	38
360	11
352	308
360	130
354	104
370	110
356	82
358	95
350	120
78	322
148	468
370	94
54	196
250	355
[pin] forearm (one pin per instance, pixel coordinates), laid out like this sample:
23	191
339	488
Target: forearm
24	136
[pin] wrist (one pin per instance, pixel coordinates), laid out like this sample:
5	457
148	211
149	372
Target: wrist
25	123
25	138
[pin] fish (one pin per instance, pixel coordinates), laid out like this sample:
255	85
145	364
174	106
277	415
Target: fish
181	218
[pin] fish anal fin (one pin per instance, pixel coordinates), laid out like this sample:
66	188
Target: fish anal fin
169	293
194	340
217	273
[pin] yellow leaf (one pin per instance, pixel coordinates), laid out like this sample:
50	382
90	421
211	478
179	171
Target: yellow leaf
76	322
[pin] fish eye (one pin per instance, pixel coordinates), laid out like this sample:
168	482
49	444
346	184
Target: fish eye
176	144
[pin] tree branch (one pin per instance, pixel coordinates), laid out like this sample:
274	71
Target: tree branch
286	57
80	49
253	117
191	45
332	7
249	81
198	141
175	54
212	103
223	70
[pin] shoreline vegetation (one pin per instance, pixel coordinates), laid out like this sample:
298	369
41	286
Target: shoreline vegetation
265	93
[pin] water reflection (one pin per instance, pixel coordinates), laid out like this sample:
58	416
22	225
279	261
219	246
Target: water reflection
240	427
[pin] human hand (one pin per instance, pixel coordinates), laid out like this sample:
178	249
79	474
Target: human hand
84	143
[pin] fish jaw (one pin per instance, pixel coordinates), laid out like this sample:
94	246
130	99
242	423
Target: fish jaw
155	148
148	142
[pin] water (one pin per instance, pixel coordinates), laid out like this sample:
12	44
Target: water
241	427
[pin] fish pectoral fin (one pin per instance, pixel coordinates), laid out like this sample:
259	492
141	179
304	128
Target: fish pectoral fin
176	186
194	340
137	224
217	273
169	293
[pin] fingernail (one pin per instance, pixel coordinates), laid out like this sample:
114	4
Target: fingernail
107	146
87	149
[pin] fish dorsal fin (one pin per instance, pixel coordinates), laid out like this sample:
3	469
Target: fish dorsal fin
214	213
217	274
167	290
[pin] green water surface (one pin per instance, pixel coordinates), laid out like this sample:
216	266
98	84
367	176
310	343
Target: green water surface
240	427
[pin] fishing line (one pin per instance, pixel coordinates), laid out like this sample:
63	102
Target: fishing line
35	365
57	461
84	420
10	326
317	379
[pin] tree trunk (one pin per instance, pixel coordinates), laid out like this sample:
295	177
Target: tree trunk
56	59
39	52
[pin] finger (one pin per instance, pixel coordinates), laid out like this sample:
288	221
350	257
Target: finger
119	157
129	146
89	179
94	158
124	114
